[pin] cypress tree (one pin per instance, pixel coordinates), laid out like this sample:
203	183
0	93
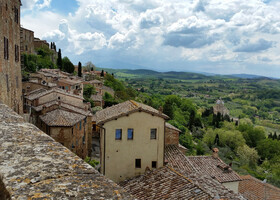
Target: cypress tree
80	69
59	60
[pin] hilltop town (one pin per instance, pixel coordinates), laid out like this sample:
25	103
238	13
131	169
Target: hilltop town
78	132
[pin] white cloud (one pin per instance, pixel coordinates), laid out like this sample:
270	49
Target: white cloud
214	31
35	4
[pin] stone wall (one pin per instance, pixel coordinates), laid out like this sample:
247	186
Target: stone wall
171	136
10	69
34	166
26	41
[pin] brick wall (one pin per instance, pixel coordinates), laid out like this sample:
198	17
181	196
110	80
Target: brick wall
171	136
10	69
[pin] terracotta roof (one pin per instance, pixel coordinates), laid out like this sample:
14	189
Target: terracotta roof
213	187
69	81
177	160
252	188
124	109
163	183
63	105
61	117
43	92
167	125
207	165
96	97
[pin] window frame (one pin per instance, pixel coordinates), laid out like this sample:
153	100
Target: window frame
151	135
131	133
120	137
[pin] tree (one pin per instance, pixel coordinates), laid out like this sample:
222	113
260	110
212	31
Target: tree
268	148
186	141
274	137
217	140
89	66
88	91
80	69
248	156
59	60
102	73
67	65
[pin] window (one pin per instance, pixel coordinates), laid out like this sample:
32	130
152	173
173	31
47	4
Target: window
84	141
16	53
66	87
153	133
80	125
16	14
137	163
118	134
130	134
154	164
6	48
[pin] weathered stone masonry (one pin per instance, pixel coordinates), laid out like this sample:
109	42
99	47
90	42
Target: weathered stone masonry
34	166
10	70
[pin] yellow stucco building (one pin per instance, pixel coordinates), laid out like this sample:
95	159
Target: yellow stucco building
131	139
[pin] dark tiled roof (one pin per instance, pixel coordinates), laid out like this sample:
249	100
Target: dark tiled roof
123	109
163	183
34	166
200	164
252	189
61	117
167	125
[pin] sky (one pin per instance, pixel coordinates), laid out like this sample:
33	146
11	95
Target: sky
213	36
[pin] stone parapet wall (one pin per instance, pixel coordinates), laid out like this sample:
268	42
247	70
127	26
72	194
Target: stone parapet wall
34	166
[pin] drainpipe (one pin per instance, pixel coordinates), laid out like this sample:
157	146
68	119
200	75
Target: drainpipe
104	143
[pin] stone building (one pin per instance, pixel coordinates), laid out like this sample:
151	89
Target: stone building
70	129
131	139
40	43
63	116
220	108
10	69
72	86
26	41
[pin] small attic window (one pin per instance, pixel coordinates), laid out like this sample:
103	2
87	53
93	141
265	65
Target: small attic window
58	98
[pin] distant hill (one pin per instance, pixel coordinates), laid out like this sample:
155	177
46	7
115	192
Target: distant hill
248	76
138	73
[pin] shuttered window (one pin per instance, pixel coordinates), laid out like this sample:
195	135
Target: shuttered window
16	53
6	48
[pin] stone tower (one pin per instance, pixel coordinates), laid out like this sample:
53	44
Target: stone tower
10	69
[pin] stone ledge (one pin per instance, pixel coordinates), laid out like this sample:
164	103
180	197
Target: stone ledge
34	166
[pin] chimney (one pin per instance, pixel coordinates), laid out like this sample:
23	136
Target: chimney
160	110
44	110
215	153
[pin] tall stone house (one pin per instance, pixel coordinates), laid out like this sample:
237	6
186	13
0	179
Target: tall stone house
220	107
26	41
63	116
10	68
131	139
